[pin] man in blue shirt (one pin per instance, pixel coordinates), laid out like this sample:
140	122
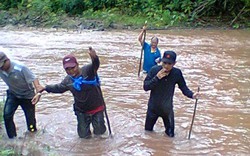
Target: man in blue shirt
152	54
161	81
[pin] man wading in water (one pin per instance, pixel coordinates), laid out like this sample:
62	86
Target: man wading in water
152	54
22	84
161	81
84	84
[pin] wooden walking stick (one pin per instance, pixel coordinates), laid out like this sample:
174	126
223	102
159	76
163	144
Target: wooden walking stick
105	108
193	115
142	48
108	123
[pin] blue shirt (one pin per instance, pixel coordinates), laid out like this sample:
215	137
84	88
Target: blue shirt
149	57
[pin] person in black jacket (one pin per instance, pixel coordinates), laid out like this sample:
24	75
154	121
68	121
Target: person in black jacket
161	81
84	84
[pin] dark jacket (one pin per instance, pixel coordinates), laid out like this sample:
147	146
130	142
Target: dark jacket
162	90
90	97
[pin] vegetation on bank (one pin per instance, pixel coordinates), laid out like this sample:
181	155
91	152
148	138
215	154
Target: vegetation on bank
3	150
130	13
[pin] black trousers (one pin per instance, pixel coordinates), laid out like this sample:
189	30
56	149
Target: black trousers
168	120
10	108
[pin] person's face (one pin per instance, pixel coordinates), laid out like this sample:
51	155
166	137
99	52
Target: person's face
6	65
167	66
73	71
154	42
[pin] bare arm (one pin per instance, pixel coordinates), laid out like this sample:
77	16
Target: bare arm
38	87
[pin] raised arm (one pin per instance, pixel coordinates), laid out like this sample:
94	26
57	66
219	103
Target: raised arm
95	59
141	35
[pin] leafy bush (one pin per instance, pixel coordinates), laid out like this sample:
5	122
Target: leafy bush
171	12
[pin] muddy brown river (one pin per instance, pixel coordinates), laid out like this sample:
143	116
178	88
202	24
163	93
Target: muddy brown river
218	61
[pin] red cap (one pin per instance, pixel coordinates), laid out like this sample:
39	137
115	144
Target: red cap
69	61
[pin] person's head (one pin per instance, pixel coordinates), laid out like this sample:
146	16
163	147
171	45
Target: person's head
168	60
70	65
154	42
4	61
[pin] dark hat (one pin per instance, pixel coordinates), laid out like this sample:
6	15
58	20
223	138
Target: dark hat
69	61
3	58
169	57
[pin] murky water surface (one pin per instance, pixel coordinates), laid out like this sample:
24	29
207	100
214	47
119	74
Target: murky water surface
216	60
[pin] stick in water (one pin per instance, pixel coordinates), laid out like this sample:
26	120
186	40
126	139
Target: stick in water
108	123
142	48
193	115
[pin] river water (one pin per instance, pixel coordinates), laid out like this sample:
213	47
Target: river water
217	61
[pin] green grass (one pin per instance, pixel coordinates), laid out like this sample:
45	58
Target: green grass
112	17
4	151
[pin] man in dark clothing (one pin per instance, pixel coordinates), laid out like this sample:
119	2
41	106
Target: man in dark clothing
84	84
161	80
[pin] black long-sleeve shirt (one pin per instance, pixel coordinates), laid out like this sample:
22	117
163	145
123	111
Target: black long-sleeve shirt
162	90
90	97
